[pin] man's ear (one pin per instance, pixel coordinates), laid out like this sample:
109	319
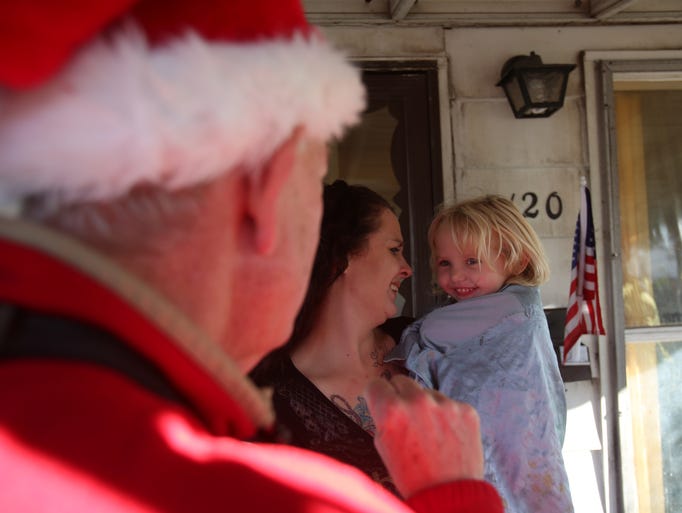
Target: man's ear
264	191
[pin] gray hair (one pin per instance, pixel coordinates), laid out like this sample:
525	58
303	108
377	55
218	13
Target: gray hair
148	219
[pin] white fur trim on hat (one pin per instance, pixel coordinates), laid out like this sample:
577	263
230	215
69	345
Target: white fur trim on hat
124	113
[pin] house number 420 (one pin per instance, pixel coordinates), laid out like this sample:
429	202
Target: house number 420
531	204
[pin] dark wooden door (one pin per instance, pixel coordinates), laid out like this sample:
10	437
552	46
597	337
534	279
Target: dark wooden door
396	151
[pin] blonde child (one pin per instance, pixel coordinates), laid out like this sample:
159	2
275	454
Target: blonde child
491	348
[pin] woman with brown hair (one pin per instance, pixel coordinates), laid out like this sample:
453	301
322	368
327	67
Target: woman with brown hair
341	333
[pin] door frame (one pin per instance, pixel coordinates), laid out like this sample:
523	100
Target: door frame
434	71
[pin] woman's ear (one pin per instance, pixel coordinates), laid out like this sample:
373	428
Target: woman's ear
264	192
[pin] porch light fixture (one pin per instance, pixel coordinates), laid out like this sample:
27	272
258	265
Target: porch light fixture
534	89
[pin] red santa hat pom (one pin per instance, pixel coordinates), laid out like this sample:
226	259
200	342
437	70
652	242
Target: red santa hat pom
98	97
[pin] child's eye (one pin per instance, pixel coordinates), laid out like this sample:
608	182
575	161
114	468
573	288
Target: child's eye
472	261
443	263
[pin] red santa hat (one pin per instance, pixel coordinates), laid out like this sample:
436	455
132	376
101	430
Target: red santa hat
100	96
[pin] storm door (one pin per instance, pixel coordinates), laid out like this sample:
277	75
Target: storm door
644	104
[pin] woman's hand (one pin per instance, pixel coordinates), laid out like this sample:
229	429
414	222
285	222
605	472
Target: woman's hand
424	437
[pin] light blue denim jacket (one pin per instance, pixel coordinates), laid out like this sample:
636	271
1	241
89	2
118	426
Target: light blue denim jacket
495	353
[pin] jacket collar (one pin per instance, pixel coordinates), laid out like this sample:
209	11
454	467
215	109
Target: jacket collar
46	271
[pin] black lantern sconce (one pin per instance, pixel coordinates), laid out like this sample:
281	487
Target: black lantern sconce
534	89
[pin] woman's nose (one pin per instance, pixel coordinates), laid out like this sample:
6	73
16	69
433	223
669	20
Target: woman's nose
405	270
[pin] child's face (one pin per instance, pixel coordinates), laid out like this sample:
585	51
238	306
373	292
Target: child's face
460	273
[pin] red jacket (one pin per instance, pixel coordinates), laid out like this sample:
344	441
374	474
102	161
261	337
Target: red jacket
111	401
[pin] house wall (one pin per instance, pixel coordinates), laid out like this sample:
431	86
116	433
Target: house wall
488	150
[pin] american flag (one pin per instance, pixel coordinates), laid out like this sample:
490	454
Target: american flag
583	315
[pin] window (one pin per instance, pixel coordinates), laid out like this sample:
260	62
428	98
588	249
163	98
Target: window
643	186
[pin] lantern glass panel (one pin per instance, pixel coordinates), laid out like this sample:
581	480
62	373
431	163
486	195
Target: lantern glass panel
544	86
514	93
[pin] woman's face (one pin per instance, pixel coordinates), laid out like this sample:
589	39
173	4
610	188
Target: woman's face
460	273
374	275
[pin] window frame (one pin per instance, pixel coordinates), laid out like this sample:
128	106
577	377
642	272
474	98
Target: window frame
601	68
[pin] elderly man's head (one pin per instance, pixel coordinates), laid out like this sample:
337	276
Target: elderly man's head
187	140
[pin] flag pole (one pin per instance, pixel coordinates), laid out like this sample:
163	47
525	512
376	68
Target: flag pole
583	235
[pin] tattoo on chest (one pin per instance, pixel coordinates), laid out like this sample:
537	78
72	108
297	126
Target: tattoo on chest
378	361
358	413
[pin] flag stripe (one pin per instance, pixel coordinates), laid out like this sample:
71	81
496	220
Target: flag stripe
583	313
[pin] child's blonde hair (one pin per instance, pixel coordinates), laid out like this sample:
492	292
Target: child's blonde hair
496	228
